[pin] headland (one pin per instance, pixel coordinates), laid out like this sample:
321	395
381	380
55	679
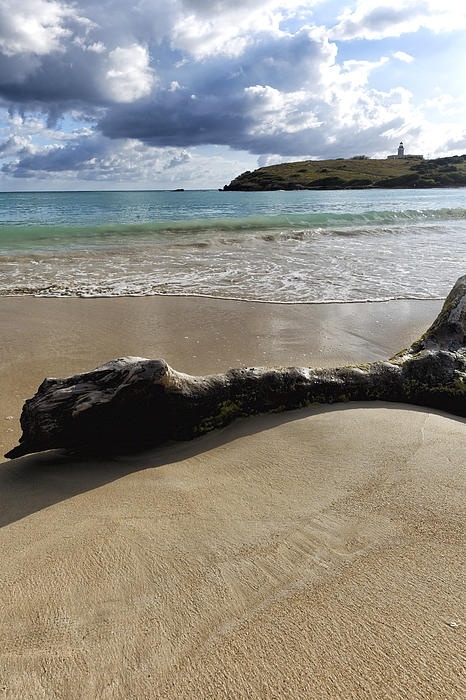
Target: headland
358	172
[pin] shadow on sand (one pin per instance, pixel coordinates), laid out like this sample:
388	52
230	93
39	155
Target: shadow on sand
32	483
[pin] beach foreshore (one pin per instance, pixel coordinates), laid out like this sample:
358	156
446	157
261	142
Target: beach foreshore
313	554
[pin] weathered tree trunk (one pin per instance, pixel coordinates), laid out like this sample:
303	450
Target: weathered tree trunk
135	403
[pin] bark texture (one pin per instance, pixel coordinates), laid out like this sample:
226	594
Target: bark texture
135	403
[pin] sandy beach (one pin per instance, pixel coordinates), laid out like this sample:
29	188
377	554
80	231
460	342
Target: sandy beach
315	554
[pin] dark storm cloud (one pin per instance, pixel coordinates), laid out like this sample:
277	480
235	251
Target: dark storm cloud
177	119
53	82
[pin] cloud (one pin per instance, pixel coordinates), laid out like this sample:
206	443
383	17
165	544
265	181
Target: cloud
94	157
14	145
221	27
33	26
403	56
378	20
129	76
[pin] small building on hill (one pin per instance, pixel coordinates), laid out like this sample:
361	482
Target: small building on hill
401	153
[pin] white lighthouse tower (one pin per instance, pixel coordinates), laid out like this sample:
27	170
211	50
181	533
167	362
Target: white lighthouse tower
401	153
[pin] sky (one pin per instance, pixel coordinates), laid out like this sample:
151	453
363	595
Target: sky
189	94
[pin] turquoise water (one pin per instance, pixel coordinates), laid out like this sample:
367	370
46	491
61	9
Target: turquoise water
302	246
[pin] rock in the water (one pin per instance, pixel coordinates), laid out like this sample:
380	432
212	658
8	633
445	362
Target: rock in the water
136	403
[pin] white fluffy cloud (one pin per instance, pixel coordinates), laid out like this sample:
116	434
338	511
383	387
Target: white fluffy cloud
129	75
209	28
33	26
403	56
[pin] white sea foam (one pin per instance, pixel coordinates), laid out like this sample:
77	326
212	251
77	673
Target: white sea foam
293	247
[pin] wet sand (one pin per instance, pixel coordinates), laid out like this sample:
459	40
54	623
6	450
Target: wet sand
314	554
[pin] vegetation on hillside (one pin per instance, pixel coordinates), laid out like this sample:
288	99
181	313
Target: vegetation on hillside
359	172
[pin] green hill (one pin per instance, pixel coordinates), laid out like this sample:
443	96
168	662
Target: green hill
355	173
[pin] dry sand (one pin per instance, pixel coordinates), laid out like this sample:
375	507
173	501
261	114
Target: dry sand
315	554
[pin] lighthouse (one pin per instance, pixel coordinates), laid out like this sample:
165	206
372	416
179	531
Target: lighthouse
401	153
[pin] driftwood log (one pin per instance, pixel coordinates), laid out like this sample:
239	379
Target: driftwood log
136	403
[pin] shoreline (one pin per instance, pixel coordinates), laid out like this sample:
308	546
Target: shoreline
215	297
311	554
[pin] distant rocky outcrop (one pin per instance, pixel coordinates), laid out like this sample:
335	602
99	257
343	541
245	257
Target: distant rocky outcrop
135	403
355	173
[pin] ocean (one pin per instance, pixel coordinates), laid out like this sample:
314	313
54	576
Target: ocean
288	247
